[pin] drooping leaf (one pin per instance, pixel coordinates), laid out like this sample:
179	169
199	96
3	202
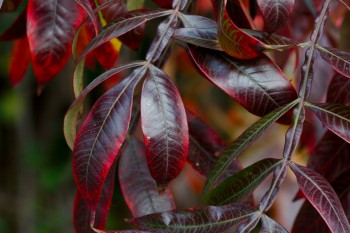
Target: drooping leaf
338	59
336	117
167	141
51	26
338	90
275	13
72	114
100	137
164	32
139	189
83	217
238	187
205	219
322	196
258	85
20	60
18	28
269	225
125	24
233	40
242	142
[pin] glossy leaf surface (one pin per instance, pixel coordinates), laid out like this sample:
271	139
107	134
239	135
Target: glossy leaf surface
206	219
269	225
338	59
322	196
336	117
51	26
233	40
258	85
125	24
338	90
167	141
139	189
20	60
83	217
241	143
100	137
238	187
275	12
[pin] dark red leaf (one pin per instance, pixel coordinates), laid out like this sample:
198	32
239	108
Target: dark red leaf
84	218
275	13
88	7
20	60
269	225
203	219
338	90
167	141
100	137
322	196
18	28
164	3
236	14
51	26
336	117
139	189
338	59
258	85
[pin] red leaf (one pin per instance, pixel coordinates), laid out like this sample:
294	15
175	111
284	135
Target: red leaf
86	4
338	90
322	196
268	225
100	137
20	60
275	13
139	189
164	3
236	14
258	85
50	29
18	28
167	141
83	217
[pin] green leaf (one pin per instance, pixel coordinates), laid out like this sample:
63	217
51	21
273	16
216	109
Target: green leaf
238	187
242	142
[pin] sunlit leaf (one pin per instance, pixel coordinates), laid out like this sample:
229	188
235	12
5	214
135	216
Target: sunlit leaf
275	12
336	117
139	189
269	225
242	142
20	60
322	196
338	59
100	137
258	85
205	219
51	26
233	40
338	90
238	187
125	24
167	141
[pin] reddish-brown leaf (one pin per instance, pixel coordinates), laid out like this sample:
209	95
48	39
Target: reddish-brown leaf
167	140
100	137
338	59
20	60
51	26
338	90
139	188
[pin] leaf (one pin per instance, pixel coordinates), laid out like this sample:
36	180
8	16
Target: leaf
275	13
270	226
82	215
233	40
235	10
139	189
20	60
258	85
238	187
164	3
89	10
322	196
198	31
164	32
338	59
205	219
241	143
100	137
51	26
338	90
336	117
125	24
167	141
18	28
72	114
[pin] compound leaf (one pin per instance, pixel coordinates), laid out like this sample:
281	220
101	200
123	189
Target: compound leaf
338	59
